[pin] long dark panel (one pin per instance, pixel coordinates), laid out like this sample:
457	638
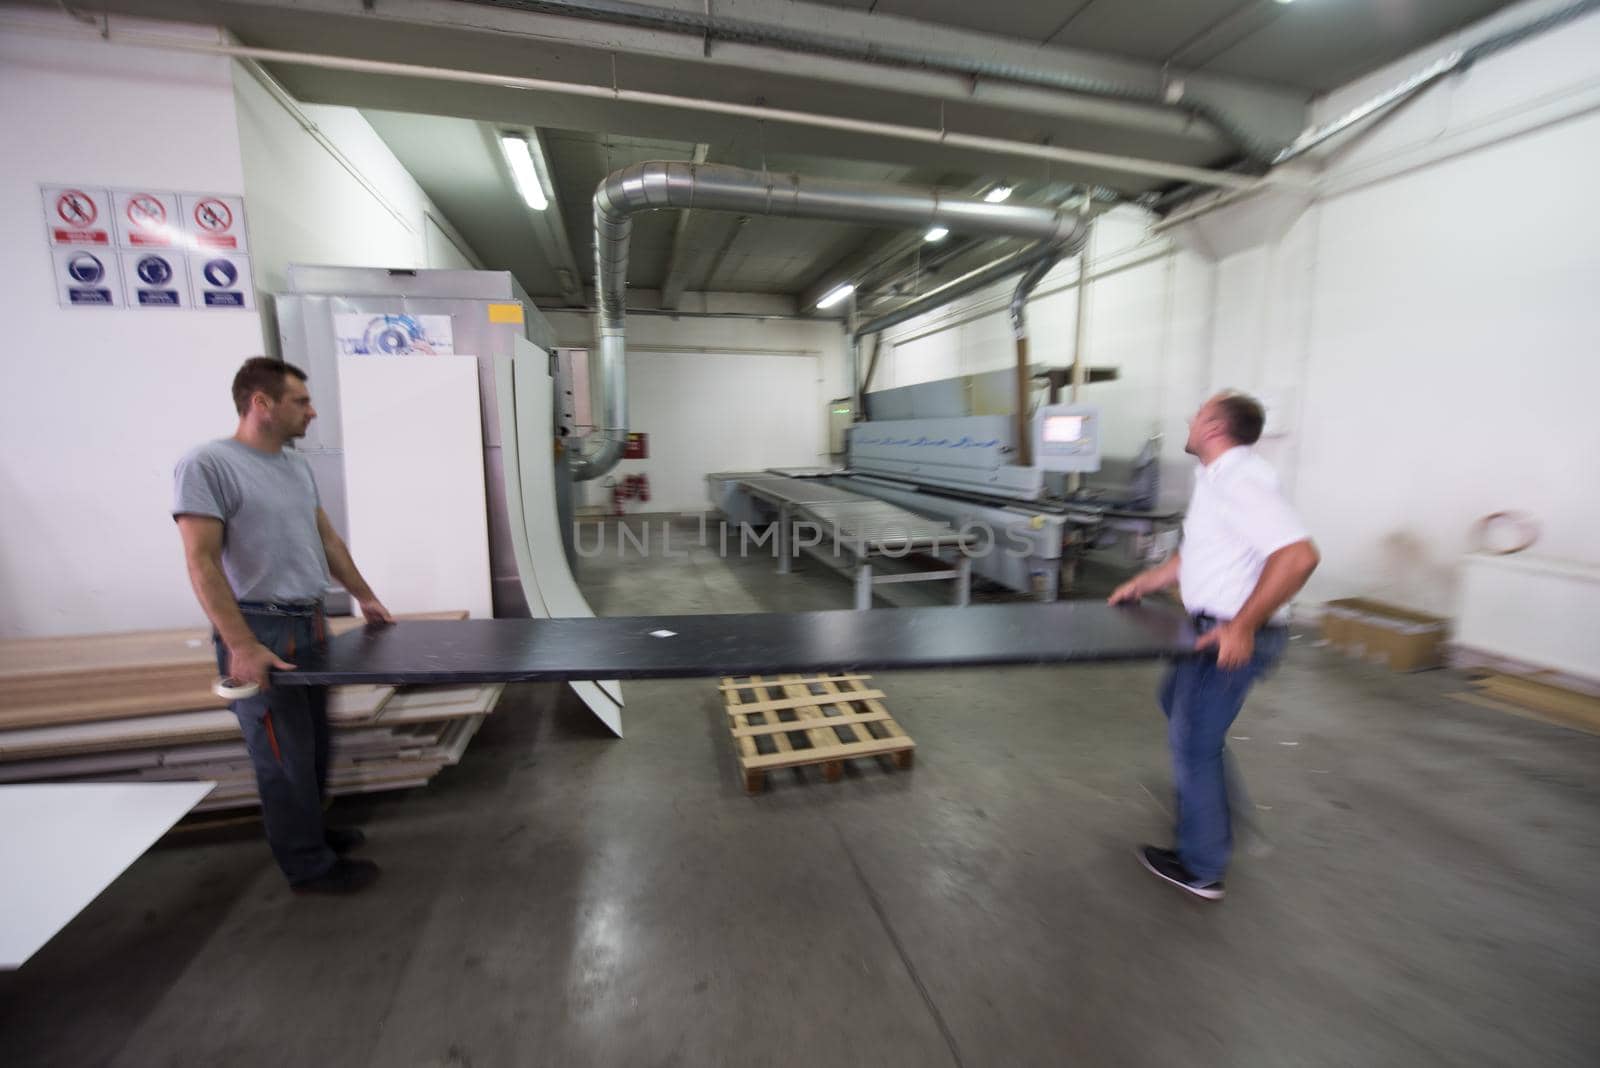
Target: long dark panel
641	647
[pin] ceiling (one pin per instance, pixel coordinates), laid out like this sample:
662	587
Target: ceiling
1306	47
1312	45
1255	64
457	163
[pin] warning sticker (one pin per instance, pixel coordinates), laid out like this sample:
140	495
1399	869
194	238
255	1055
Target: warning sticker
365	334
221	280
155	279
215	221
147	220
77	216
87	278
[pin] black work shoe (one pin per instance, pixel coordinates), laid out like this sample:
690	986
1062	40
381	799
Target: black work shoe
345	877
1165	864
343	839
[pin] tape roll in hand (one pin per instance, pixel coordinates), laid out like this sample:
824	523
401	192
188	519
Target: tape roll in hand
231	689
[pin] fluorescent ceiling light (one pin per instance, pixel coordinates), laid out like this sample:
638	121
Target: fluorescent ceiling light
519	157
997	194
938	233
836	294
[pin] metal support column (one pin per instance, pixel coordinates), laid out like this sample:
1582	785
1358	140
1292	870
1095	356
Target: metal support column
784	537
963	595
864	586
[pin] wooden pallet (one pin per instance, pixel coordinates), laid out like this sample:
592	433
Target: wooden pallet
795	720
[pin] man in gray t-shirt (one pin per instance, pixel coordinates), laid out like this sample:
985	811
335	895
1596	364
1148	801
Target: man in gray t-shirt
260	552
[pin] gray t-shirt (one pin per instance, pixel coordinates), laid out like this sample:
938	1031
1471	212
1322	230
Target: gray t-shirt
267	502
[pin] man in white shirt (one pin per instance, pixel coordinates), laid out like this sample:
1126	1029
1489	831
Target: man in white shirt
1244	554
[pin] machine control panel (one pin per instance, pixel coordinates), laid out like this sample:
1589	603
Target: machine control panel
1066	437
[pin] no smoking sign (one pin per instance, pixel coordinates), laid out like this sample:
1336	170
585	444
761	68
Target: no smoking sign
146	220
215	221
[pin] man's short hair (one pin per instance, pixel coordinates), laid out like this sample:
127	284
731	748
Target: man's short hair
262	374
1242	417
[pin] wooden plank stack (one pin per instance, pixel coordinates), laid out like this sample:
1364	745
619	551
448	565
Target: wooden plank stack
139	707
1537	697
794	721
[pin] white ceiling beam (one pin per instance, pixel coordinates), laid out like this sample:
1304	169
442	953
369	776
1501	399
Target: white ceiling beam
444	33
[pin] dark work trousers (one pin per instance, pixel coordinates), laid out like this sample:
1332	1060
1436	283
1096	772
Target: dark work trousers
1201	701
286	733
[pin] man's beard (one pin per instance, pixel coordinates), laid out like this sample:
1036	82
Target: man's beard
289	430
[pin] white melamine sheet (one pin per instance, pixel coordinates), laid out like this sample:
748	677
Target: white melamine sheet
61	844
413	461
526	395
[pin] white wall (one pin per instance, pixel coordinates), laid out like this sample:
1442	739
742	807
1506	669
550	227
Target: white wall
1430	321
103	401
1422	328
705	410
323	188
766	386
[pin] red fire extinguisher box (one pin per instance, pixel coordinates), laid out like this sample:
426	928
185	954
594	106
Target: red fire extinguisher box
637	448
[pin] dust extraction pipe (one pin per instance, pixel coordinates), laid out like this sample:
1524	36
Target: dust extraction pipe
981	278
1019	330
711	187
709	27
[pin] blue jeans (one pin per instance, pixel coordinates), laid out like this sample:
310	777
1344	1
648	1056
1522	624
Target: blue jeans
1201	701
286	734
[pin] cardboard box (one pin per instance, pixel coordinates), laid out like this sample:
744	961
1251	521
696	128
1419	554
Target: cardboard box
1399	637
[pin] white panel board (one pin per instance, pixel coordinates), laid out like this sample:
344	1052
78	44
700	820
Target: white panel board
527	395
63	844
413	458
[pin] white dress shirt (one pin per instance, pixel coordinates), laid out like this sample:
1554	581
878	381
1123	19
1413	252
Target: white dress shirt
1237	518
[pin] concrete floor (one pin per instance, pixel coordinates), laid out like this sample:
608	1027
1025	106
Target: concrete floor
1421	890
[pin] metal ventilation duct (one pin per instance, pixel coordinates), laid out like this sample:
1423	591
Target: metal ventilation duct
711	187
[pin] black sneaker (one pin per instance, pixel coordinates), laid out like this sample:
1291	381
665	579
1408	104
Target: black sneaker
1165	864
345	877
343	839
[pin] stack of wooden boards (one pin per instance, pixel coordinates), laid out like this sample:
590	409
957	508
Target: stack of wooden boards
1538	697
138	707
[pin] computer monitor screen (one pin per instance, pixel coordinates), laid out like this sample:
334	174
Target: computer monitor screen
1062	429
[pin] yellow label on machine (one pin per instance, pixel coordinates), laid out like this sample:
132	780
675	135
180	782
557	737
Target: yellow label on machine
505	313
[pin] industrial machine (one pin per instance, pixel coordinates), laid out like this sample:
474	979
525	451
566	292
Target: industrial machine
947	450
1066	437
330	312
528	403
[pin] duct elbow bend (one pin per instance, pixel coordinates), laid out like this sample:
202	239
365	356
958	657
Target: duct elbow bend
588	466
1028	283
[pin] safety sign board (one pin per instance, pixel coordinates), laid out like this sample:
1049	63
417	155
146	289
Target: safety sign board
221	280
146	219
215	221
77	216
156	278
87	278
144	248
